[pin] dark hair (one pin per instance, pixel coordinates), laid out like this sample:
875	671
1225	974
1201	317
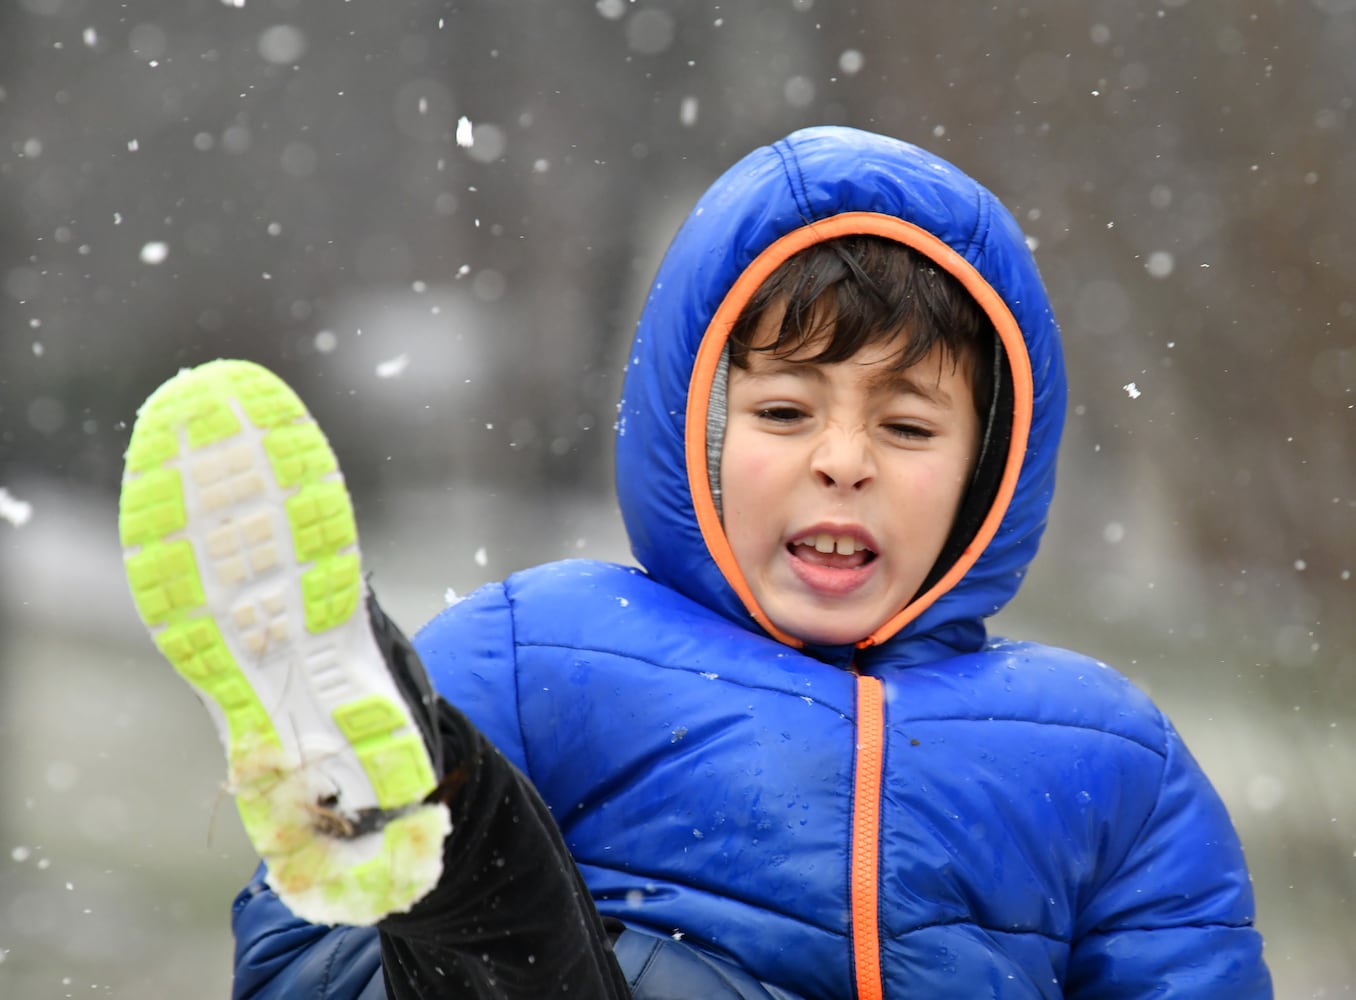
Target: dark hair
867	290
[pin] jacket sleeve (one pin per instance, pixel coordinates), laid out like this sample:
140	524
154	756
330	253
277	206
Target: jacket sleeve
280	956
659	968
1175	917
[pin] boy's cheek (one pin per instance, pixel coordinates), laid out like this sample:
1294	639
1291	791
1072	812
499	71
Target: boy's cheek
739	478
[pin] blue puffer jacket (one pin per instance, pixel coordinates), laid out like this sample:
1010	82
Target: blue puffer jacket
931	813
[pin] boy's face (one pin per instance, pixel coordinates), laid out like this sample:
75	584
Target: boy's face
840	482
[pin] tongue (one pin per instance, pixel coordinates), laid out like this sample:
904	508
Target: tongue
832	560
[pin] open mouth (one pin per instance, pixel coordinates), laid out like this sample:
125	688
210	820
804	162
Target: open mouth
832	551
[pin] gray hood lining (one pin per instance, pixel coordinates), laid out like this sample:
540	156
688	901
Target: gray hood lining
717	410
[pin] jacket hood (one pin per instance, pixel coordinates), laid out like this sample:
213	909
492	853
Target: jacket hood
814	185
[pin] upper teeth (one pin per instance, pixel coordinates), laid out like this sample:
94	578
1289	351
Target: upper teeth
844	545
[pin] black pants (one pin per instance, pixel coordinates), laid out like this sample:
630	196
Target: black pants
511	918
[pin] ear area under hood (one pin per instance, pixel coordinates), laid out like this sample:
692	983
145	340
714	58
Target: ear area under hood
817	184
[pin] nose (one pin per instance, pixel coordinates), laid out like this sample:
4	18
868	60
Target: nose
843	459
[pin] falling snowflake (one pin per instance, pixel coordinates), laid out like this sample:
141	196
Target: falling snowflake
393	367
1131	390
15	511
1160	264
154	252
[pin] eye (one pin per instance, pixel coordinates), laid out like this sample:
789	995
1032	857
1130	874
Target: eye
910	432
780	414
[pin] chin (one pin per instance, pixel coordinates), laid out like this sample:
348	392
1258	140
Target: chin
843	635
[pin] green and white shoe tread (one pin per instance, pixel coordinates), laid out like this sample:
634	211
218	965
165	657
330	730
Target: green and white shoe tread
241	552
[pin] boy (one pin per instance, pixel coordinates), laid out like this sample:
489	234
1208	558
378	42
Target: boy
787	741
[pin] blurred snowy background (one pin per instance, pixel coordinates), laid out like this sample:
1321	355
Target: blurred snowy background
282	180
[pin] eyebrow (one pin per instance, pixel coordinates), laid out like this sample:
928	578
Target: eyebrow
767	367
887	382
908	383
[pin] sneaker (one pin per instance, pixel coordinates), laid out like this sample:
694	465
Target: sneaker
242	556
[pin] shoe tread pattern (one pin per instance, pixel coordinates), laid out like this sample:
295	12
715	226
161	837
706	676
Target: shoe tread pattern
210	555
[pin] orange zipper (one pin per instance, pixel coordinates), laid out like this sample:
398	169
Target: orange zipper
866	838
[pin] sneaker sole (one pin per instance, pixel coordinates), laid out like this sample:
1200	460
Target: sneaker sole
241	552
